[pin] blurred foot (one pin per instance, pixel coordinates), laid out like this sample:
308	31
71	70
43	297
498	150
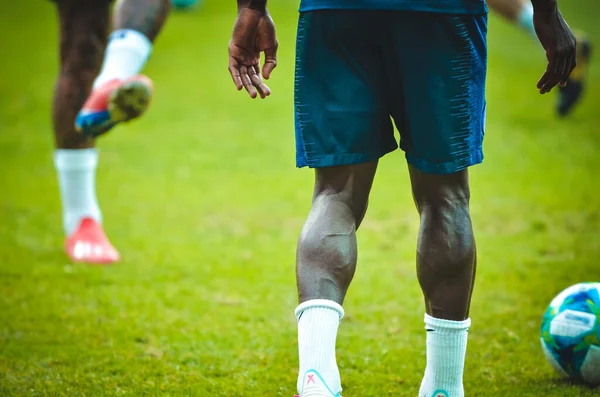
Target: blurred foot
185	4
570	95
314	386
89	244
114	102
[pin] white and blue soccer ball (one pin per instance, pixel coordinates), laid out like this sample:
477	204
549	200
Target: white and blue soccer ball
571	333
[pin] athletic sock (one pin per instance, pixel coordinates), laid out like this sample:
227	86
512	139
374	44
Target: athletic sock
76	177
318	322
446	349
126	54
525	19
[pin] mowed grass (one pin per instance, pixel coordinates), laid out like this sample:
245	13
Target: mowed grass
203	201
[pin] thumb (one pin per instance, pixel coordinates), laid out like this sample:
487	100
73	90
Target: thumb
270	61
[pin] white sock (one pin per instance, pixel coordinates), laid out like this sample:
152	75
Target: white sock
318	322
446	349
525	19
77	181
126	55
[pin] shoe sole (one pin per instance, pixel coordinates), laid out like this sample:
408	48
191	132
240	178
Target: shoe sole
91	261
129	101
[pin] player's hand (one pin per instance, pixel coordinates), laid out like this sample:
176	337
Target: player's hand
558	41
253	33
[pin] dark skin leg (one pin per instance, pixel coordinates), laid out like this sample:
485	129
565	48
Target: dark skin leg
144	16
83	36
327	249
327	253
446	254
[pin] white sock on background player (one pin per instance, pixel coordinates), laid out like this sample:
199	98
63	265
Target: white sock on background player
446	350
126	55
525	19
77	181
318	322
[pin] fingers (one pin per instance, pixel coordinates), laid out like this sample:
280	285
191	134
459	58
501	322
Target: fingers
564	71
549	78
560	66
248	77
270	61
235	74
247	82
257	82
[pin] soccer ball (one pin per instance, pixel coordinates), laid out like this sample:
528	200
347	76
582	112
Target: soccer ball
571	333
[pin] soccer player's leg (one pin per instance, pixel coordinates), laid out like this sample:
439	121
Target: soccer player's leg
520	12
342	129
440	112
446	264
325	264
120	93
83	29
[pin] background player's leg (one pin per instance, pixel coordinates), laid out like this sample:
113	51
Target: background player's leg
186	4
135	27
83	36
521	13
516	11
120	94
83	31
446	262
325	264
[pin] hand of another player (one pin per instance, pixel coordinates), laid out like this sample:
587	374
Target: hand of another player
253	33
558	41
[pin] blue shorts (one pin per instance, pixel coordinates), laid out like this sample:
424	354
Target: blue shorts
355	69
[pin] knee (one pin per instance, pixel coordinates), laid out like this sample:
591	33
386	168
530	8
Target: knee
83	56
82	43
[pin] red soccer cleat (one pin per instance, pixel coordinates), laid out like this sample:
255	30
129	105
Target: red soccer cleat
89	244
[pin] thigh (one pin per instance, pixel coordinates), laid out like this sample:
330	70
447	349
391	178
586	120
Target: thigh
439	99
83	32
340	115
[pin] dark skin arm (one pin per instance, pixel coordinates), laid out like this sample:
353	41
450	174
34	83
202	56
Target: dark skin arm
558	41
253	34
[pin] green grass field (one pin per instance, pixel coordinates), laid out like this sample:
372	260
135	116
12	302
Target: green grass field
203	201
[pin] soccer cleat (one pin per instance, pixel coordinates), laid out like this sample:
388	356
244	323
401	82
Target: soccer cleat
572	93
89	244
314	386
114	102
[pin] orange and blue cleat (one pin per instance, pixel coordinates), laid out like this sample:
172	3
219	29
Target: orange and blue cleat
89	244
114	102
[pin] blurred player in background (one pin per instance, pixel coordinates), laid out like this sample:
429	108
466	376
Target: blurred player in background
186	4
357	63
87	104
520	12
